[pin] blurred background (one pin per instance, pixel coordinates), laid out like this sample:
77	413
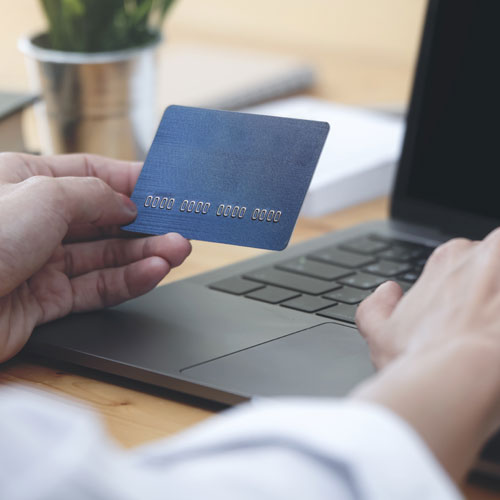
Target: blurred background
363	49
228	54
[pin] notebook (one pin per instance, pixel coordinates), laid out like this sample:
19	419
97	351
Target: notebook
227	78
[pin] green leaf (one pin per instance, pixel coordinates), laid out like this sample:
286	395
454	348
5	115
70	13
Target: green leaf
102	25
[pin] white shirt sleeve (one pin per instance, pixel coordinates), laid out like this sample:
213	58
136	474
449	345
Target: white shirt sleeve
271	449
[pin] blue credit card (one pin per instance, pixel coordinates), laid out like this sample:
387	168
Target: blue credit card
227	177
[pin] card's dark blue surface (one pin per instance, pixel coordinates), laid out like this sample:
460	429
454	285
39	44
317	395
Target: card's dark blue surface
227	177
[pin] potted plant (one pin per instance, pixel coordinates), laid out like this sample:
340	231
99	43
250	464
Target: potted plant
95	68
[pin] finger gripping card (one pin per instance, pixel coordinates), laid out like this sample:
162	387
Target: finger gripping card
227	177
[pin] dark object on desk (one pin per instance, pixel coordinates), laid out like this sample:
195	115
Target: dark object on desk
227	177
12	106
209	336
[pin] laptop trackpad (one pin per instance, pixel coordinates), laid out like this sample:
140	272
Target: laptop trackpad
326	360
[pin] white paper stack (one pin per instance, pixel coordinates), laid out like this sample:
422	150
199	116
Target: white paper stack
360	155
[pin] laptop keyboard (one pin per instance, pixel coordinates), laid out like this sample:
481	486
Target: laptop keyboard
332	282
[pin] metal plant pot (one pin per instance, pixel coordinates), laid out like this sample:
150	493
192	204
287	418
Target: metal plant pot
100	102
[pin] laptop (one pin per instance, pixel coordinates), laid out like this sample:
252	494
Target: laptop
283	323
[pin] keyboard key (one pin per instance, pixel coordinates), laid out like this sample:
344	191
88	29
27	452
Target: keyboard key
426	252
236	286
418	249
308	303
399	253
272	295
301	265
363	280
364	245
343	312
396	241
385	239
335	256
411	277
292	281
387	268
348	295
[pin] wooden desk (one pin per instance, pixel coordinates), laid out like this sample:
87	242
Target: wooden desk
364	52
135	413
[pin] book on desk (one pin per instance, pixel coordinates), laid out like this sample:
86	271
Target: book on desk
12	105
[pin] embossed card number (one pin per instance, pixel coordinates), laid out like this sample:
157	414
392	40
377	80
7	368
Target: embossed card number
201	207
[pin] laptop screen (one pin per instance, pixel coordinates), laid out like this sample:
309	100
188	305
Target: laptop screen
451	155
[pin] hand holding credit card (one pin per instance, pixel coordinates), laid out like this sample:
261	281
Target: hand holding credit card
227	177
